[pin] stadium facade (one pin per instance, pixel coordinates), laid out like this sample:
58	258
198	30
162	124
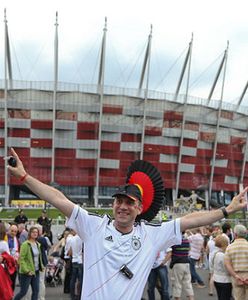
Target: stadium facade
76	138
84	137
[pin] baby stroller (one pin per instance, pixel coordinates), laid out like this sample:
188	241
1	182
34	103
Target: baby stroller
53	273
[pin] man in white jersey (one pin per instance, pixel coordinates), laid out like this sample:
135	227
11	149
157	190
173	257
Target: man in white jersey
76	253
119	253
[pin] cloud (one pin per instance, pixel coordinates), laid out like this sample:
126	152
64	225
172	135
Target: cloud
213	23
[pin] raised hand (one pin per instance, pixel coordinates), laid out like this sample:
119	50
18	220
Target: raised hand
18	171
238	202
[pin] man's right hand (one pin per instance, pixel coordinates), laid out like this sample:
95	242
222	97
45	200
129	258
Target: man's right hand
19	170
42	190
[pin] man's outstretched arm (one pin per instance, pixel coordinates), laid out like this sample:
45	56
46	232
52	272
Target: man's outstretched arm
44	191
197	219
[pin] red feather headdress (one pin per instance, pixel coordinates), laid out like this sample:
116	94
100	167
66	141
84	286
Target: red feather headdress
148	179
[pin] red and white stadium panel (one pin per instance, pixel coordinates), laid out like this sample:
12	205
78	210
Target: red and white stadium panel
76	143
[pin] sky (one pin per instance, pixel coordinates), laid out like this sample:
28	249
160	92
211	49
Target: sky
210	24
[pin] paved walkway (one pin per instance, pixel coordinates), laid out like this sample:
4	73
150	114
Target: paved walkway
200	293
56	293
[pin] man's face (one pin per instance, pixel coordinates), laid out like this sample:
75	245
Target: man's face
20	227
125	211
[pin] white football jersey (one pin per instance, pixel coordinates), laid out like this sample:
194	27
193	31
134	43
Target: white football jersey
106	250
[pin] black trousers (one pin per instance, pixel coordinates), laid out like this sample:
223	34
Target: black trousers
13	280
68	273
224	290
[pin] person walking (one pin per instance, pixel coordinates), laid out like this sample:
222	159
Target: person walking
211	249
236	262
181	270
76	253
196	244
22	233
4	247
30	264
159	272
14	248
44	247
120	252
68	261
227	232
7	266
221	277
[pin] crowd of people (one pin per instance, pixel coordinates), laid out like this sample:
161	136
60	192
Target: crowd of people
32	262
121	255
29	258
220	249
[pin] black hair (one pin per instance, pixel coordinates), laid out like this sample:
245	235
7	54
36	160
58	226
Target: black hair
225	227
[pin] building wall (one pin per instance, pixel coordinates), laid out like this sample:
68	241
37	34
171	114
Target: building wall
76	138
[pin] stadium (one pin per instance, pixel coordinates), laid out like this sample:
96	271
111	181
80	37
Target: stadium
82	138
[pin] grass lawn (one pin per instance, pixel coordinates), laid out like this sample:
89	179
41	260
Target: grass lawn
34	213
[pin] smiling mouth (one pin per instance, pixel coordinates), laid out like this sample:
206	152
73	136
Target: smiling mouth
122	213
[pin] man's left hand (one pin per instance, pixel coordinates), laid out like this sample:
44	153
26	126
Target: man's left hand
239	202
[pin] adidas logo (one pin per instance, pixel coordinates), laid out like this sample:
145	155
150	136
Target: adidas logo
109	238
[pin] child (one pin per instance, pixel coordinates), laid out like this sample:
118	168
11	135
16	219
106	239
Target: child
50	269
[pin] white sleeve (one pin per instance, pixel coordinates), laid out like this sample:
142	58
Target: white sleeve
167	235
68	244
5	247
211	262
49	244
84	223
